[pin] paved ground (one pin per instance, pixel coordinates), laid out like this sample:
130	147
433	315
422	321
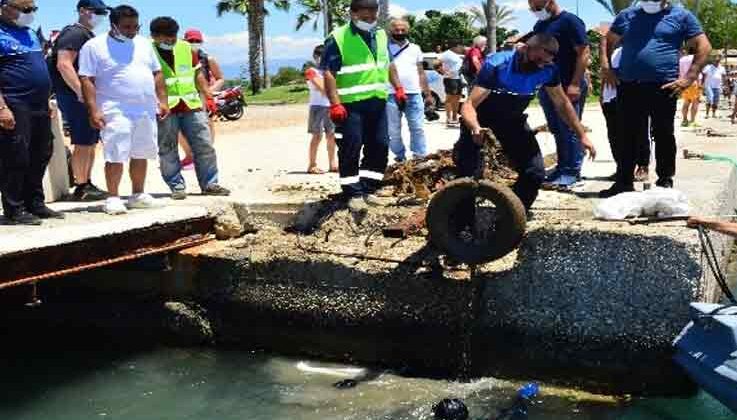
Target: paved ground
263	159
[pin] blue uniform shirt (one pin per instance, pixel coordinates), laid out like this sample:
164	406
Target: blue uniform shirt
511	89
570	31
24	75
650	42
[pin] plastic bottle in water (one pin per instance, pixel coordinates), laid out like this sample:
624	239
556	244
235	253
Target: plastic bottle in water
521	405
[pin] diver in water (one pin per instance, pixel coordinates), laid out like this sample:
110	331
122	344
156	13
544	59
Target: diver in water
455	409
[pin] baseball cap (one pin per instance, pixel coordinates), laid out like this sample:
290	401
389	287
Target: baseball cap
96	5
193	35
364	4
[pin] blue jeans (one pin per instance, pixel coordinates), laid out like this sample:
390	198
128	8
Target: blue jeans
567	143
195	128
414	111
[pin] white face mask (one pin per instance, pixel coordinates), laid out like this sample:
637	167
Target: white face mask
195	47
651	7
96	20
166	47
542	14
115	33
25	19
365	26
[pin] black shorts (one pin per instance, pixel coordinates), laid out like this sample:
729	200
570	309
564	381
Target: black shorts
453	86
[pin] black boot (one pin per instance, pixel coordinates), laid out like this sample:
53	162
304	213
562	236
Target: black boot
616	189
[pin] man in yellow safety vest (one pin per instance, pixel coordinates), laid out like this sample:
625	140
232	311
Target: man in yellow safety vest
358	68
184	82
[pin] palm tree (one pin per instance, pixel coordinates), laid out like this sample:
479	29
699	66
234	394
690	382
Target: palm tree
491	22
383	12
331	12
255	12
615	6
504	15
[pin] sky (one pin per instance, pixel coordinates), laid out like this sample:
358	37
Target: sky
227	39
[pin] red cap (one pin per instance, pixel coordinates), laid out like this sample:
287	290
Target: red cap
193	35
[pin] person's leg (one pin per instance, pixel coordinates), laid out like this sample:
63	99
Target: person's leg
184	144
138	175
610	116
113	175
331	146
643	149
687	105
664	109
375	145
211	126
394	122
717	98
349	150
695	109
633	125
312	153
556	127
194	126
41	148
456	107
116	141
415	113
15	161
520	145
169	163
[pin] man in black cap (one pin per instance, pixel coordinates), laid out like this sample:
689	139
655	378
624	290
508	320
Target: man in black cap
64	67
357	65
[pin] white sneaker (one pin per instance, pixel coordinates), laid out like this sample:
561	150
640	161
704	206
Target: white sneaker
114	205
142	201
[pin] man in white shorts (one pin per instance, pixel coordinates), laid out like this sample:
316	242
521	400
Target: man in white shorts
124	91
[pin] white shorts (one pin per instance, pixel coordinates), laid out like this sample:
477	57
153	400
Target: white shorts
128	137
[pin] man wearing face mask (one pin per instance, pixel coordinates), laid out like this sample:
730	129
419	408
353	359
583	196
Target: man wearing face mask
570	32
25	124
507	82
64	65
124	90
651	35
357	64
185	84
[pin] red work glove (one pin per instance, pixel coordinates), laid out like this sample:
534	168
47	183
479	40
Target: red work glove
400	95
310	74
338	113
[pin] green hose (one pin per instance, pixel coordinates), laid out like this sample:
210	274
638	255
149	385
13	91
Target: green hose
721	158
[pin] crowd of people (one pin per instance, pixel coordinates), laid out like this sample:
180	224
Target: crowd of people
134	94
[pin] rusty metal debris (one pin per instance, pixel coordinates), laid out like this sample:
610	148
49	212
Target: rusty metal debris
412	225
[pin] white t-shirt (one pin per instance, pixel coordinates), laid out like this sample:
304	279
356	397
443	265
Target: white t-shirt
123	73
684	65
714	76
317	98
406	63
452	64
609	92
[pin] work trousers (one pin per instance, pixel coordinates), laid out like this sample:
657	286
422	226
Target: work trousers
25	152
645	109
610	115
519	144
365	130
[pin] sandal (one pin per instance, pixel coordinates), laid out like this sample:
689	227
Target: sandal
314	170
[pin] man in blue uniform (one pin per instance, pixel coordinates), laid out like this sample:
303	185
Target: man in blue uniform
25	125
508	81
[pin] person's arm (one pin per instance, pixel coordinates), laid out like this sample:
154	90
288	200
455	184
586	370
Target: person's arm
161	94
606	47
394	76
566	111
65	65
426	92
7	119
89	95
582	56
217	74
470	116
702	46
331	88
727	228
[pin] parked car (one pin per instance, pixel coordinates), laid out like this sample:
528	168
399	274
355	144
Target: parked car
435	80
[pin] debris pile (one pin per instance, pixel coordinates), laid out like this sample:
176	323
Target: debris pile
422	177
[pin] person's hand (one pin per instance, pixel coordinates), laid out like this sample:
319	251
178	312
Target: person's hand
478	135
588	146
400	95
97	120
338	113
677	86
7	119
573	92
429	100
609	78
163	111
695	222
310	74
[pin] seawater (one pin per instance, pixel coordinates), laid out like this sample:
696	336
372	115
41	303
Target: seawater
208	384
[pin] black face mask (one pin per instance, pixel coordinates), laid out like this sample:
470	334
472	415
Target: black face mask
400	37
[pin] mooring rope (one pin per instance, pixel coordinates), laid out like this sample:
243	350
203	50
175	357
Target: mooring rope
711	258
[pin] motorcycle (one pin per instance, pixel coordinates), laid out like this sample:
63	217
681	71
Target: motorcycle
230	104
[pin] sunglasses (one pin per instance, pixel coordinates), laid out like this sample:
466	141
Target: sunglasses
26	10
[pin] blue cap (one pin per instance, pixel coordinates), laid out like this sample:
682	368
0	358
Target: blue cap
96	5
529	391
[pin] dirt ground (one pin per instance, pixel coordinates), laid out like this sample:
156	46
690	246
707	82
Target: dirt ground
261	117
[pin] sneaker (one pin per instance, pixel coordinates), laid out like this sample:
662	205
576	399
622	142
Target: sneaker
215	189
553	175
615	190
88	192
142	201
178	194
664	182
563	182
23	218
114	205
684	123
43	212
187	164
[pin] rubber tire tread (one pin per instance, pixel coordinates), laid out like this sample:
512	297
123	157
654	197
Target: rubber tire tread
507	237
